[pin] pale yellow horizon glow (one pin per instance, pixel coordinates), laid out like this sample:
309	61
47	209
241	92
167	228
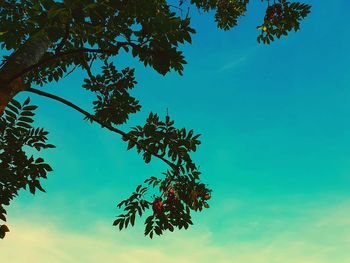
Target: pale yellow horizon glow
324	241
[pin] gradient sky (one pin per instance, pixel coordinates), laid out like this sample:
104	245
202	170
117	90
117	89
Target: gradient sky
275	125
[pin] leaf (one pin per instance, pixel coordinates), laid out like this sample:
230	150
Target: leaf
26	119
14	109
30	108
24	125
139	210
16	104
158	230
31	187
47	167
2	217
11	114
3	230
27	113
121	224
138	188
147	157
26	102
39	160
132	219
117	221
37	185
131	144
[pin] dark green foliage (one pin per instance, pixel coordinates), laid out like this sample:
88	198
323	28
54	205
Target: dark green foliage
17	169
179	194
114	103
281	18
80	32
228	12
163	139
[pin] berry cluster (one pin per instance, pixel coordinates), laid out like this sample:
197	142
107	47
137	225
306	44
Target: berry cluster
157	206
169	203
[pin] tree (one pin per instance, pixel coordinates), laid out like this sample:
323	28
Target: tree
47	40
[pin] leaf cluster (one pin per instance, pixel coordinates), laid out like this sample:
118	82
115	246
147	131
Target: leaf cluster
228	12
150	30
179	192
281	18
163	139
17	169
114	103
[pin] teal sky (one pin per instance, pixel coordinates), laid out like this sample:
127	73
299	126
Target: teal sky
275	125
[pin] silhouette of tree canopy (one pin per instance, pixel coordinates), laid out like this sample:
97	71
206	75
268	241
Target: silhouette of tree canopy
47	40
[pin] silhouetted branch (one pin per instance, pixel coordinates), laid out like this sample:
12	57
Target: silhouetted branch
93	118
113	51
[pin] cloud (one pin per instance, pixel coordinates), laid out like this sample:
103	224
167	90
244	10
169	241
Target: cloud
46	243
237	60
234	63
323	240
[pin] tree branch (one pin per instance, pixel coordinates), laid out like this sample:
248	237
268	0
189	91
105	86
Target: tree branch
115	50
107	126
64	39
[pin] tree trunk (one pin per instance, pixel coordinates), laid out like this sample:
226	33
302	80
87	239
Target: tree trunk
10	91
27	55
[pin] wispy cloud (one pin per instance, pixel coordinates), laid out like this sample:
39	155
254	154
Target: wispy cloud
322	241
237	60
234	63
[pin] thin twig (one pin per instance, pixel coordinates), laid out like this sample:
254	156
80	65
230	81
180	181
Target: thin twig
70	72
176	7
87	67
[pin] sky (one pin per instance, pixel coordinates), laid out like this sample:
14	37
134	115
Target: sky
275	125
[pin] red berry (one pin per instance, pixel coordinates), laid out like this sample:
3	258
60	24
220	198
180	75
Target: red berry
207	197
157	205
